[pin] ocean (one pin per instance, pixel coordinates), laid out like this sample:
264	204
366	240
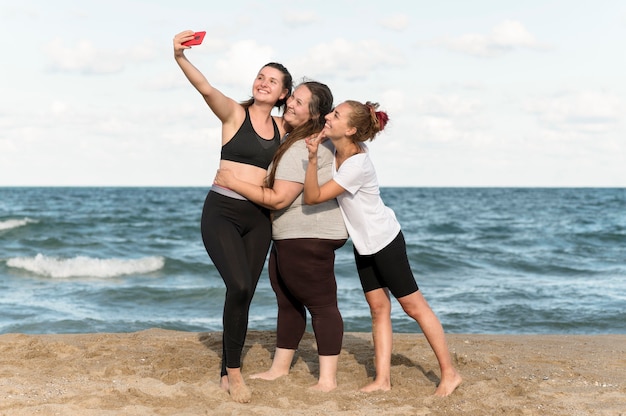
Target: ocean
488	260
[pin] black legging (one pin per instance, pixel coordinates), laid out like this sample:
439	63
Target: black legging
237	235
302	275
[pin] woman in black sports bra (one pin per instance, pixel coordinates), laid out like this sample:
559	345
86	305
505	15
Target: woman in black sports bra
236	232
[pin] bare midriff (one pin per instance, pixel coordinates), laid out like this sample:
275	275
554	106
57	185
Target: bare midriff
247	173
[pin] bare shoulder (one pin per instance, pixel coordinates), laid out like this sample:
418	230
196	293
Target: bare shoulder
233	122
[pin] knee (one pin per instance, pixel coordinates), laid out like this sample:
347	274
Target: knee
411	310
240	293
417	310
380	308
326	315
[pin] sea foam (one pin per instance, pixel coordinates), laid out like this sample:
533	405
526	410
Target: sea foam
82	266
15	223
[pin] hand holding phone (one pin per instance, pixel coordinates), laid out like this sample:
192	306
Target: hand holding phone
198	37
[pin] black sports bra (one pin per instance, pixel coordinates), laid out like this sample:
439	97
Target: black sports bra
248	147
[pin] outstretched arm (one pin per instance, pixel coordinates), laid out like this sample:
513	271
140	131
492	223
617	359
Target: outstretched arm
280	196
223	106
313	193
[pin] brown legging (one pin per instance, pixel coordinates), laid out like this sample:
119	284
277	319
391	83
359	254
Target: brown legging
302	274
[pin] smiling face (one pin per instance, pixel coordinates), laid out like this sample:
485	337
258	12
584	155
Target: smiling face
338	122
268	86
298	109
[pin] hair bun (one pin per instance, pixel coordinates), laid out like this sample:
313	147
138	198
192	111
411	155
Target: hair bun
383	118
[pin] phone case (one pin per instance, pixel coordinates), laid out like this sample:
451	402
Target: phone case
197	39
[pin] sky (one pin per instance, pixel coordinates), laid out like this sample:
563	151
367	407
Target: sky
482	93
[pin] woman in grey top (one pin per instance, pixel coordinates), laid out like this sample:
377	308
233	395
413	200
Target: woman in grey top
305	237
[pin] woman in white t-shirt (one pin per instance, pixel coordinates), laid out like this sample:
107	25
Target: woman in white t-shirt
379	246
304	239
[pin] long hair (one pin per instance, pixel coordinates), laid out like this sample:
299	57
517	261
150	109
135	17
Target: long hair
287	84
321	104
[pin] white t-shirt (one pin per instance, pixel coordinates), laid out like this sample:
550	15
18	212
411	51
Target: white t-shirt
299	220
371	224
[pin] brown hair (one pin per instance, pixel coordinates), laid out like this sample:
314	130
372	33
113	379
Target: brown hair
287	84
321	104
367	121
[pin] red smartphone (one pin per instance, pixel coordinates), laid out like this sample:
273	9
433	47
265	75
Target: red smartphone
197	39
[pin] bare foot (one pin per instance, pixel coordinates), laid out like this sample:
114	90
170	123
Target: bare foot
233	383
269	375
324	387
239	392
377	385
224	383
448	384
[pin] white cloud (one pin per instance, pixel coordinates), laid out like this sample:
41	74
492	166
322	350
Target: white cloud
84	57
166	81
434	120
448	106
438	119
349	60
397	22
393	101
298	18
504	37
578	113
461	132
241	63
18	11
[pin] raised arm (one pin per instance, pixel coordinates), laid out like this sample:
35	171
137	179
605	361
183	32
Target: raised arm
223	106
313	193
280	196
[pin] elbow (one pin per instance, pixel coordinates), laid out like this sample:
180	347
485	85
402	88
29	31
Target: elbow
280	204
308	200
277	206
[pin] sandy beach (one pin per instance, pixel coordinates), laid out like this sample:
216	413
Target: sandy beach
159	372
